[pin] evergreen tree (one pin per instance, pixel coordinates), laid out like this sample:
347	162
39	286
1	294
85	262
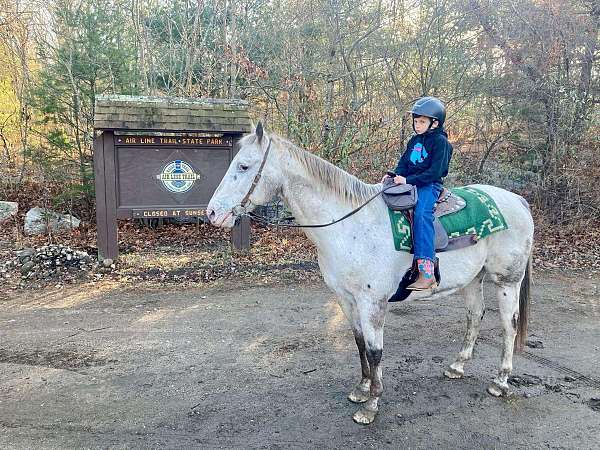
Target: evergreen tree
86	51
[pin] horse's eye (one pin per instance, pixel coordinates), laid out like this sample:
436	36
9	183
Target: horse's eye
243	167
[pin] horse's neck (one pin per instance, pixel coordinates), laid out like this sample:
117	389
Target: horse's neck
313	203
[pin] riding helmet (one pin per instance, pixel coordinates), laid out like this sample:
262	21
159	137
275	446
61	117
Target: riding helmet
430	107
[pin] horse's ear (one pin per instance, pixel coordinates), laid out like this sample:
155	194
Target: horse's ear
259	131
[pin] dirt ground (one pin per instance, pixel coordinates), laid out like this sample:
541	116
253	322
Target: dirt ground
117	365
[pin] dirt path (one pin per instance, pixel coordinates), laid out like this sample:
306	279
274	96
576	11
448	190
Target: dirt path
269	367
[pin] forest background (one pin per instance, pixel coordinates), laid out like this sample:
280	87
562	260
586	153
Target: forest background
520	79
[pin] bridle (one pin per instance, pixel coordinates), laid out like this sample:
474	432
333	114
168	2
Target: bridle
241	209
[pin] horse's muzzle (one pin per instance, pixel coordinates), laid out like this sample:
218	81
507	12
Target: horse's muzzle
220	218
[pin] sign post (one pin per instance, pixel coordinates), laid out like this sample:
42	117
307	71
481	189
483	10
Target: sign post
160	157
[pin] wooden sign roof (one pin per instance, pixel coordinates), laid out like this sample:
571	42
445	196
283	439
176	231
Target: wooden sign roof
126	112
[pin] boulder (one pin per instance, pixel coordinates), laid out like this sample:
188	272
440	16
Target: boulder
8	210
41	220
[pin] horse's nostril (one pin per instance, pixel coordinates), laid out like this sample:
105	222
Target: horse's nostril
210	213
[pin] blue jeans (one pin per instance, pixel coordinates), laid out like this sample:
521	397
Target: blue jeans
424	238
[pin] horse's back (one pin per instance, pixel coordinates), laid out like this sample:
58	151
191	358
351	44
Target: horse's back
513	207
509	250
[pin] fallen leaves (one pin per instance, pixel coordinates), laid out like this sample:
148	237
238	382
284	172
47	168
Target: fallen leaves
201	254
575	247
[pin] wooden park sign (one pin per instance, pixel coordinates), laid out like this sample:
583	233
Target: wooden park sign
158	157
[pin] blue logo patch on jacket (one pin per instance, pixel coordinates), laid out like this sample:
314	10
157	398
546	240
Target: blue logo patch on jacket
418	154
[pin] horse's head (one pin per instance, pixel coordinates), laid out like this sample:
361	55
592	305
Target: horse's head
250	180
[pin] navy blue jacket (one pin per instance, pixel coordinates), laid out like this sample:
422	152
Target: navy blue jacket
426	158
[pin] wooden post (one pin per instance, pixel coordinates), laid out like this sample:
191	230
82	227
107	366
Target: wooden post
110	176
240	235
106	201
100	184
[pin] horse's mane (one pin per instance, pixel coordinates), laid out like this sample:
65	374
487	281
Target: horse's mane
346	186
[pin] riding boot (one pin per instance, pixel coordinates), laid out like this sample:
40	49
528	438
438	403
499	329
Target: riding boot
426	278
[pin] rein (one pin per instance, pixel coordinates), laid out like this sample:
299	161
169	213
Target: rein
264	221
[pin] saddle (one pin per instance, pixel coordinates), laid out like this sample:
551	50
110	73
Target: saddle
404	198
449	203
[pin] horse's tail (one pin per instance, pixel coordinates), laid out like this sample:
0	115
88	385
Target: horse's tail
524	298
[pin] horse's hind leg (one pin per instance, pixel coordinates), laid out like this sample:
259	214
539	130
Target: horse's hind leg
360	392
508	299
473	295
372	316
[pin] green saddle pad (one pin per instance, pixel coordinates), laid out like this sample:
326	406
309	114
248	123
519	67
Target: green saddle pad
481	217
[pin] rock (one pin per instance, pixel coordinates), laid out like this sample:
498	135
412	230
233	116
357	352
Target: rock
25	255
107	262
534	344
46	262
27	267
553	387
524	380
41	220
8	210
413	359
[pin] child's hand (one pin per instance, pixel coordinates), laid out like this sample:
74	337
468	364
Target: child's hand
398	179
389	174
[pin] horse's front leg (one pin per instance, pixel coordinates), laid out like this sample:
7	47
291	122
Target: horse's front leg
360	392
372	317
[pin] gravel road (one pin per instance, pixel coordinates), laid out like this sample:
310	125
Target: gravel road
233	366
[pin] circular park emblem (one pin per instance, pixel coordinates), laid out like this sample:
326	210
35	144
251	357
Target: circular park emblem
178	176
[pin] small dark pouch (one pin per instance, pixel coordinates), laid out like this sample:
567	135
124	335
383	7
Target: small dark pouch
399	197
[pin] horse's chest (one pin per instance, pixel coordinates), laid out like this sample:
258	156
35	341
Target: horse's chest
354	256
348	271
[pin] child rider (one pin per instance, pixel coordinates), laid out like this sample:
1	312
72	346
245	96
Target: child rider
424	163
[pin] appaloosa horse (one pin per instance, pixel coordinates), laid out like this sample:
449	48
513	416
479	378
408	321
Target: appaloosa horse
358	260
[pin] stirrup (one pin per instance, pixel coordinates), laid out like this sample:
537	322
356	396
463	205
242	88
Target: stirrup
416	289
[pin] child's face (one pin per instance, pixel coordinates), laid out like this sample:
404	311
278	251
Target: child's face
422	124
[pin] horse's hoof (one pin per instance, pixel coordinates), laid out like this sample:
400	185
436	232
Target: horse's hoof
453	374
498	391
358	396
364	416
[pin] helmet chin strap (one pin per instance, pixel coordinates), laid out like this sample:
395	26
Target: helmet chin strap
431	121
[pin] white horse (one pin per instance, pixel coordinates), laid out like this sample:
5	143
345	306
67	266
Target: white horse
357	256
